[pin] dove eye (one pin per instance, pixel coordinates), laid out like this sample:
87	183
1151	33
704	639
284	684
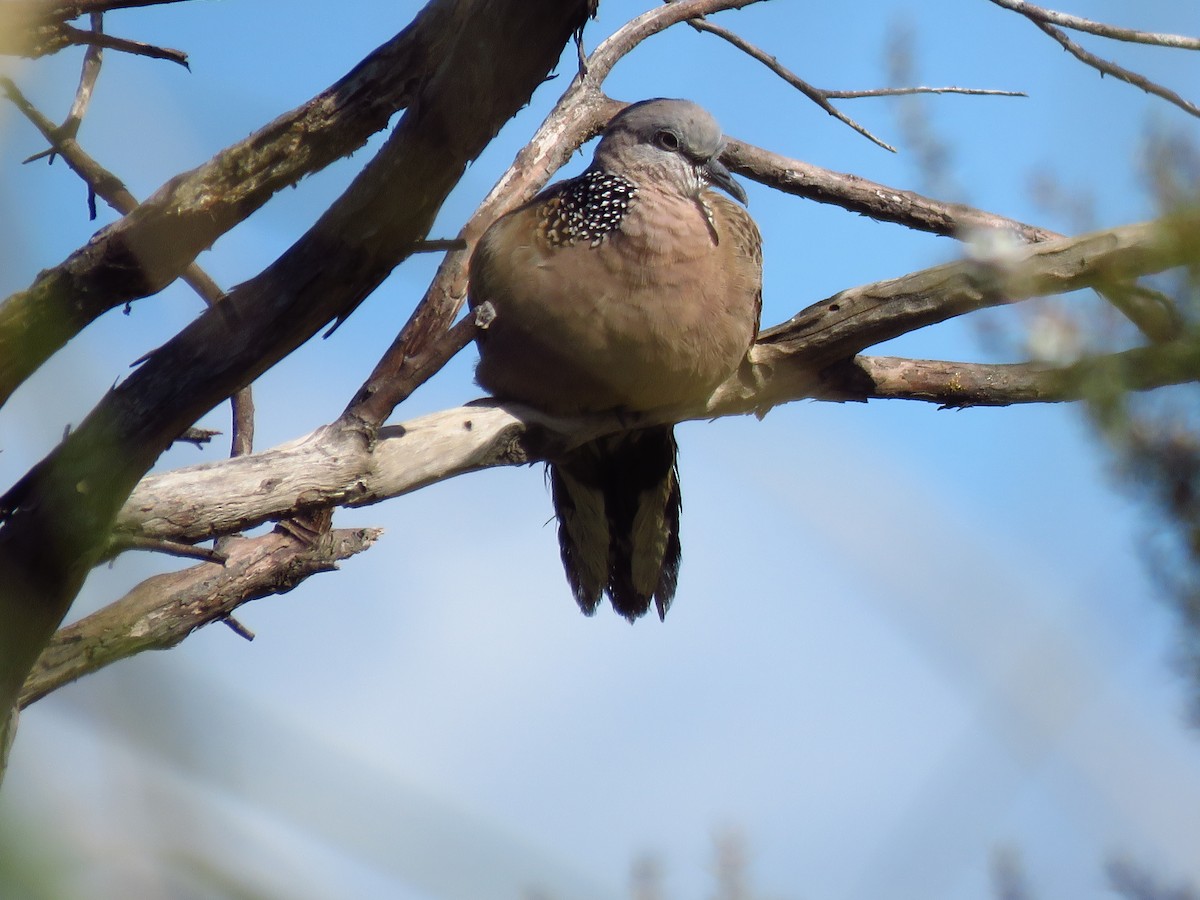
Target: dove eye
667	140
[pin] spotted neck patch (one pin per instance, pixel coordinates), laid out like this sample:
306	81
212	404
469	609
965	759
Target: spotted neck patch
587	209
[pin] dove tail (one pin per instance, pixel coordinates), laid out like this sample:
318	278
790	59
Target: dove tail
618	503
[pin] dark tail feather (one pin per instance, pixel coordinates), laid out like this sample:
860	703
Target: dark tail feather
618	503
575	485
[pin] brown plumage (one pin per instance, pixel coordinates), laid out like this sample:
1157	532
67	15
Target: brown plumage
631	287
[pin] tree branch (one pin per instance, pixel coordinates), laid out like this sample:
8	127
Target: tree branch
103	183
78	37
60	514
1152	313
87	83
878	201
163	610
956	385
855	319
1075	23
170	548
1107	67
331	467
32	29
55	10
492	56
1046	20
816	95
820	96
149	248
909	91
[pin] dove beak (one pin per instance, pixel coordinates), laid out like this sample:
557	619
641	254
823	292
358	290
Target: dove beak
719	176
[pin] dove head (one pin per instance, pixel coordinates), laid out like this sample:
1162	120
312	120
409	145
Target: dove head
672	143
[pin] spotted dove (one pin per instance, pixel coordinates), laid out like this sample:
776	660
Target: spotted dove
629	288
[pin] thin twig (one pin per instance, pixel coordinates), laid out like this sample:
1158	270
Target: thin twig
438	245
1042	18
238	628
1107	67
197	436
816	95
106	185
112	190
820	96
170	548
137	48
1103	29
907	91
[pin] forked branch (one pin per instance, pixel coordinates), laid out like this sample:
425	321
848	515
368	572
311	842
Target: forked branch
1048	21
823	97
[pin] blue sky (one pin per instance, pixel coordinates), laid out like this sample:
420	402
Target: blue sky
904	639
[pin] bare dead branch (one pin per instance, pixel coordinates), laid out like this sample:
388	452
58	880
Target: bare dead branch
870	198
34	28
237	628
112	190
333	467
909	91
820	96
172	548
1075	23
96	177
87	82
163	610
957	385
485	59
400	372
1047	19
951	385
99	180
1107	67
197	436
1153	314
145	251
651	22
241	440
53	10
78	37
852	320
440	245
816	95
